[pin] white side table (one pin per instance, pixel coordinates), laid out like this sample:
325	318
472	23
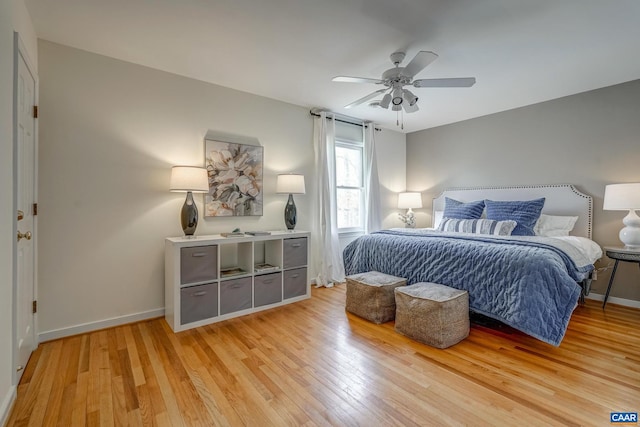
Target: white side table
619	253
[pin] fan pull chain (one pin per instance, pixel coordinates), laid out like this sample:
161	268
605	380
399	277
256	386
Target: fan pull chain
400	119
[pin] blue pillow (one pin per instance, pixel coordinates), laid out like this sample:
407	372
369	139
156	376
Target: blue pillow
459	210
525	213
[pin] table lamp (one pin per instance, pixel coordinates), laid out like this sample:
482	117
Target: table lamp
622	197
408	201
189	179
290	184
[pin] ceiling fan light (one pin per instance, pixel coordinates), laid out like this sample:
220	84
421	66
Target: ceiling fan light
410	108
385	101
409	97
397	96
396	107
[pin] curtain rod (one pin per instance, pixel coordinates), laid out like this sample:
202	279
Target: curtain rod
343	120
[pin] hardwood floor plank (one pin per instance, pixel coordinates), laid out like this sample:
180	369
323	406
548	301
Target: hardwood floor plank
312	364
43	392
157	369
177	377
65	364
112	349
132	350
93	419
79	411
147	416
28	384
220	382
295	361
30	369
93	390
129	384
149	395
106	394
66	407
134	418
197	413
248	391
85	354
118	402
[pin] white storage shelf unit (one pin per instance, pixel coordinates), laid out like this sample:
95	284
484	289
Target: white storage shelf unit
213	278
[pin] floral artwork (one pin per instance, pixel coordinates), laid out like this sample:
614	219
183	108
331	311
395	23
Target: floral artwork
235	179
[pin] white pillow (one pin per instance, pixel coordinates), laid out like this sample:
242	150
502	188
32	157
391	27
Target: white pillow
478	226
554	225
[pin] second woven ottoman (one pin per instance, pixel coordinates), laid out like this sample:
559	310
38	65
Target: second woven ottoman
370	295
433	314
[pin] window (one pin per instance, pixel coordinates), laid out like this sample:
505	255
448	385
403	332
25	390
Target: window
350	185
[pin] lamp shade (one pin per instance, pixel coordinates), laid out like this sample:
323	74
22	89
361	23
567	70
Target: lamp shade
189	178
409	200
290	184
622	197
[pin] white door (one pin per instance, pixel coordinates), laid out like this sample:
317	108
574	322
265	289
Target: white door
25	185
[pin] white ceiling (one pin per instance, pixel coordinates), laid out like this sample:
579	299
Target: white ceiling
521	51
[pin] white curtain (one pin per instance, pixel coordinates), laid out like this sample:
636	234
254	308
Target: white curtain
372	184
328	255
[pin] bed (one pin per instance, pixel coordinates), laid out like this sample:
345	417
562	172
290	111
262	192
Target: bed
532	283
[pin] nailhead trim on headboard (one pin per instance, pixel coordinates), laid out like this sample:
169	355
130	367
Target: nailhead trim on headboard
541	186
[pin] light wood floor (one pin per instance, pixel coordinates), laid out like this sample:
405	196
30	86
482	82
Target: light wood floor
311	364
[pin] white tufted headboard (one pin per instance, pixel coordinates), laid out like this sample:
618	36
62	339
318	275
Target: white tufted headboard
561	199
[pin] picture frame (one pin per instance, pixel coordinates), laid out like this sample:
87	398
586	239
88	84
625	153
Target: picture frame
235	179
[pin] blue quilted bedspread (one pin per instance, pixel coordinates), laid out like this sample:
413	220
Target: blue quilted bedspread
527	283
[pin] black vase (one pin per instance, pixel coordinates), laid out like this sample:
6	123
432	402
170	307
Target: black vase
290	213
189	216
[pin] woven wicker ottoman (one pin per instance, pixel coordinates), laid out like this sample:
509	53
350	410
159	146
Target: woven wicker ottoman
370	295
433	314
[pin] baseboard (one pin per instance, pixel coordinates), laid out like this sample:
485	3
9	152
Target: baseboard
7	404
101	324
615	300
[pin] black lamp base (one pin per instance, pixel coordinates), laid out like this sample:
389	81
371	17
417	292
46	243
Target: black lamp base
189	216
290	213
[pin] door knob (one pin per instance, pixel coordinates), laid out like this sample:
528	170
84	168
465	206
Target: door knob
20	215
26	235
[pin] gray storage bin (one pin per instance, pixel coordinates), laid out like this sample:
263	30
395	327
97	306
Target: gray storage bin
198	264
295	282
295	252
267	289
235	295
198	303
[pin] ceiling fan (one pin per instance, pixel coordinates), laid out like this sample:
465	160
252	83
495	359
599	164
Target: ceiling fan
394	80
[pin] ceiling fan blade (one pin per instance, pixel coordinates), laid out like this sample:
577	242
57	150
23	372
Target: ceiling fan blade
365	98
347	79
455	82
419	62
410	108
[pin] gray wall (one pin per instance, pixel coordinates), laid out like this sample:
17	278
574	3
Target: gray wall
109	133
589	140
391	154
